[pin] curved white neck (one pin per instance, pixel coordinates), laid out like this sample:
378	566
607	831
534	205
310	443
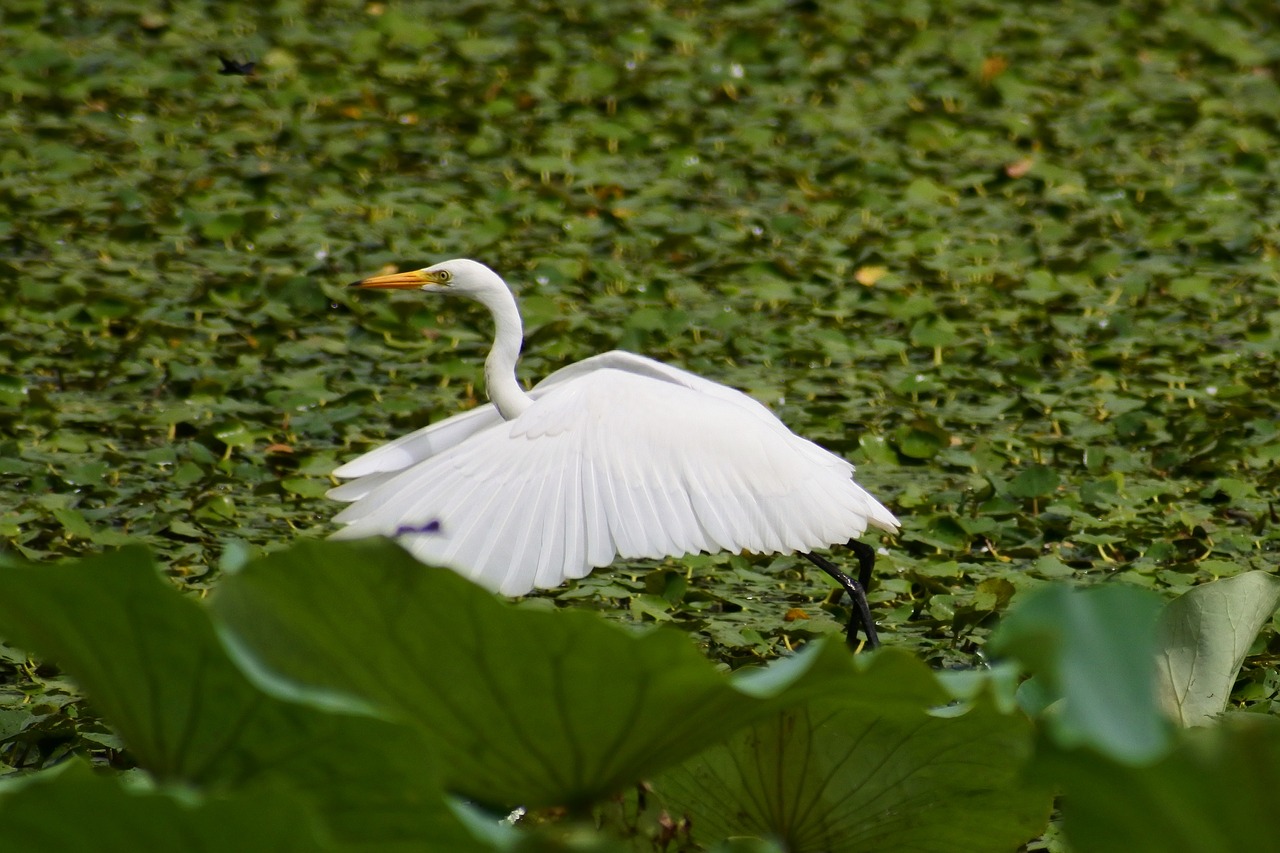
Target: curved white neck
500	366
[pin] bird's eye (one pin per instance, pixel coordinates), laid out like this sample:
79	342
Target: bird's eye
443	276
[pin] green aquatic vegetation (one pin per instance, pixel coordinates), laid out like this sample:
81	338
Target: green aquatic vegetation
1017	263
384	706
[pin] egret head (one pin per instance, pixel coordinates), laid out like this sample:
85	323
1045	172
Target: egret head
459	276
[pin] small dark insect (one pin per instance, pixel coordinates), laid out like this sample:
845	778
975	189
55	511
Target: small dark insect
230	66
429	527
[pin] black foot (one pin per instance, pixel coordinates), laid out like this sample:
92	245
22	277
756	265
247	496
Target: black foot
860	617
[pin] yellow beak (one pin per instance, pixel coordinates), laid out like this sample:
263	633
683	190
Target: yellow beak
398	281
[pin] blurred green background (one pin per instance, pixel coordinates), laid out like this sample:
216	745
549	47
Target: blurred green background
1016	261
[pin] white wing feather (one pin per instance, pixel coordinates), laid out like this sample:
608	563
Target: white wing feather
619	456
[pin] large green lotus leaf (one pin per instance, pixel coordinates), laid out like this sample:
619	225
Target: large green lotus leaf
838	776
151	663
748	845
73	810
1204	636
531	707
1218	791
1092	653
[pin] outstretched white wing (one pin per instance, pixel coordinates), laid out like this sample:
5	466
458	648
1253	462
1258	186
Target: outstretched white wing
618	456
416	446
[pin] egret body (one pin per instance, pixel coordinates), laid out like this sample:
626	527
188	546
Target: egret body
614	456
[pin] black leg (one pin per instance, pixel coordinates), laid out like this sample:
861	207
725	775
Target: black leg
866	560
860	617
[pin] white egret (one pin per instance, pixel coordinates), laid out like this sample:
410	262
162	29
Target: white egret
614	456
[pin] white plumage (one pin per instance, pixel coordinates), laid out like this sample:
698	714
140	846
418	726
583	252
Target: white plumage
615	456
